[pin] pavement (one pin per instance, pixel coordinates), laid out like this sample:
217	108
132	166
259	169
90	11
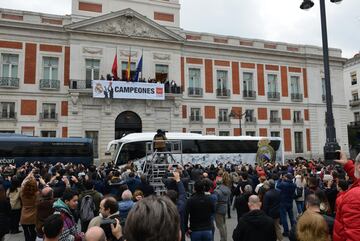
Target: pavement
230	223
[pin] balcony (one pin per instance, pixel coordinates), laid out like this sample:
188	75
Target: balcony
354	102
298	121
77	84
249	94
273	95
48	117
8	116
275	120
196	119
49	84
355	123
224	120
9	82
222	93
192	91
250	120
297	97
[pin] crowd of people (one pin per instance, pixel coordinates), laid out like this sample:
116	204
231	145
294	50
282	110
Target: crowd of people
72	202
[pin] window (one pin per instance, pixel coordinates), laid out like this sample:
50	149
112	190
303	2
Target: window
297	116
274	114
194	78
353	78
221	76
49	111
223	115
7	131
161	73
50	68
249	116
299	142
357	116
92	69
248	81
275	133
48	133
295	85
195	114
250	133
7	110
124	65
224	133
272	83
196	132
10	65
355	96
94	135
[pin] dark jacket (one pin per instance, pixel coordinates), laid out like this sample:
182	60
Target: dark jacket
146	188
133	183
96	198
223	196
44	210
255	225
200	208
241	204
271	203
181	206
5	209
287	190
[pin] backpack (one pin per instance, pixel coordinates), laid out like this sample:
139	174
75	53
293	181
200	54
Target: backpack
87	208
298	192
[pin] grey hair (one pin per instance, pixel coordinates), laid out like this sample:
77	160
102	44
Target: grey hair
248	189
126	195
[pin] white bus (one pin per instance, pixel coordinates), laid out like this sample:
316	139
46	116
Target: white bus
201	149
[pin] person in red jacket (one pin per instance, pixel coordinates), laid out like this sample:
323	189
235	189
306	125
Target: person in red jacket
347	221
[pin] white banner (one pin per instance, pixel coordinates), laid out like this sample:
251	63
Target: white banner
127	90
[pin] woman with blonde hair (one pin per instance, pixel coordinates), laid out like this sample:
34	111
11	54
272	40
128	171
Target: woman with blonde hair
312	226
29	193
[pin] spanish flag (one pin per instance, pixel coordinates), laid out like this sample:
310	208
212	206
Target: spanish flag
128	69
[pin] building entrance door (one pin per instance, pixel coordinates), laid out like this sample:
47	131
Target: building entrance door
127	122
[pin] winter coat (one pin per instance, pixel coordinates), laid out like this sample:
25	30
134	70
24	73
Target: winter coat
241	204
4	217
271	203
15	200
347	221
28	210
255	225
96	198
287	190
124	209
223	195
44	210
70	232
200	208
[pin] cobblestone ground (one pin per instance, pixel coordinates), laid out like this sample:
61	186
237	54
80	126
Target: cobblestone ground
231	224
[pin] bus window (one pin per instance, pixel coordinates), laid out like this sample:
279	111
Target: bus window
190	146
131	151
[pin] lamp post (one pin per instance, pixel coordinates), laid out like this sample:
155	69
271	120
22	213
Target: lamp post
239	115
331	145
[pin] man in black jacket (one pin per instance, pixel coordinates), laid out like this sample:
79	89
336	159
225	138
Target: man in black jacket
200	208
271	206
255	225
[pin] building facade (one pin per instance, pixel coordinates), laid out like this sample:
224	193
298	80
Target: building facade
48	62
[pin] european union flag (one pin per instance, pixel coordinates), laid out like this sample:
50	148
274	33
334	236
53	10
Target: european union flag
139	69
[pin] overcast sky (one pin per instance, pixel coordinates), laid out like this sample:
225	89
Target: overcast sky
274	20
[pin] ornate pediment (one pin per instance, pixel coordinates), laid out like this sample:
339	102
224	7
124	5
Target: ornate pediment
126	23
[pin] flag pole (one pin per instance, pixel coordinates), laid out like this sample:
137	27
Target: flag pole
142	56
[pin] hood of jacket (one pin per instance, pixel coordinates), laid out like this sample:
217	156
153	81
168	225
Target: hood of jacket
60	206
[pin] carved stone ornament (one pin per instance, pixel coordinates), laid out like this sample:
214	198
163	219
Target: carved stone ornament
126	53
92	50
161	56
108	107
148	108
74	98
127	25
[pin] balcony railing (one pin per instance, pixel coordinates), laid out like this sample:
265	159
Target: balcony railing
250	120
249	94
8	116
49	84
193	91
274	95
222	92
298	121
9	82
355	123
296	97
196	119
223	119
354	103
275	120
48	117
80	84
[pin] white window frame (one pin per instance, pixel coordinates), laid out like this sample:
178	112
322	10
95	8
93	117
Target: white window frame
11	65
47	107
195	83
197	112
8	105
92	68
277	89
301	143
300	89
51	67
254	83
224	84
224	114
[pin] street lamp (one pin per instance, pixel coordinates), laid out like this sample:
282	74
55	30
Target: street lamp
331	145
238	115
